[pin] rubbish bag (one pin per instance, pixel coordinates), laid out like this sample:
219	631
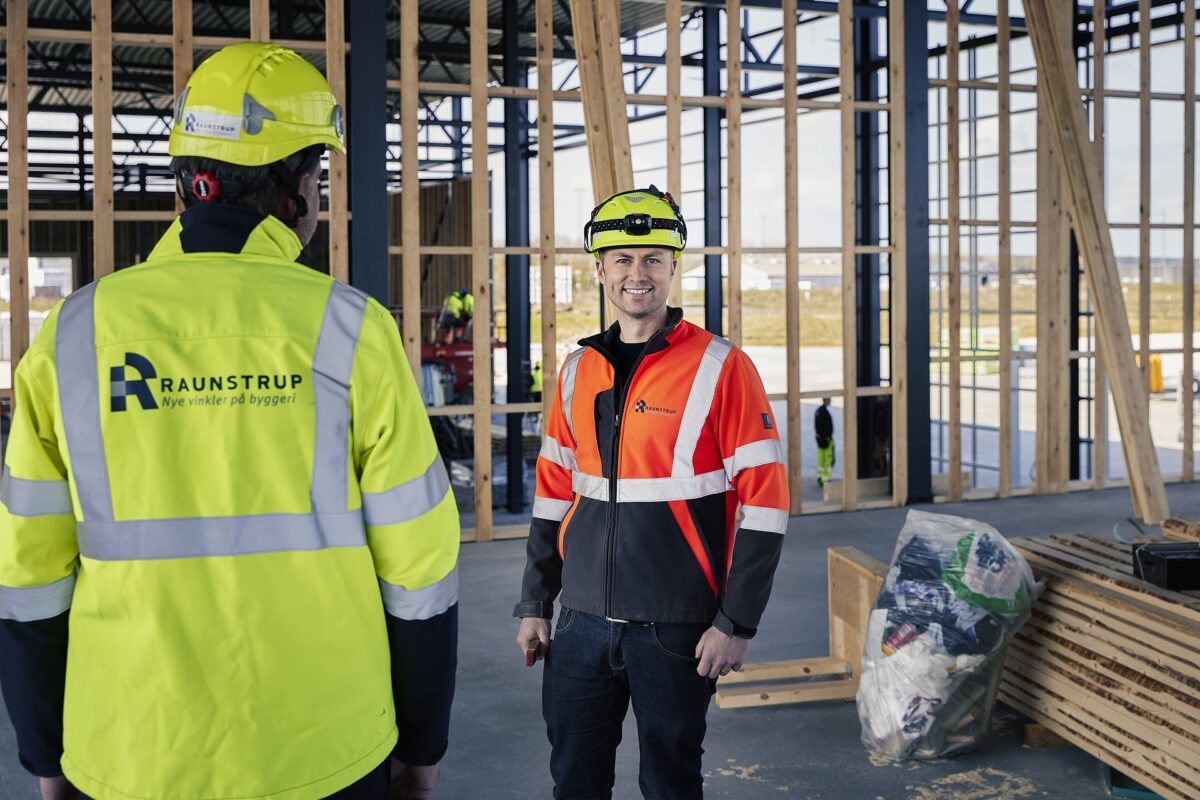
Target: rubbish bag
955	594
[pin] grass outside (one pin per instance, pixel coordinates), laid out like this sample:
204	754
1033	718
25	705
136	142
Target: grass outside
764	318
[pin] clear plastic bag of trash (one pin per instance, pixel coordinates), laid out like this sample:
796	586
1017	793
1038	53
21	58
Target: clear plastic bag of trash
955	594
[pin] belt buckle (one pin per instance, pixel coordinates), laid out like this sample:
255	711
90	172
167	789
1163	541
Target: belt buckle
614	619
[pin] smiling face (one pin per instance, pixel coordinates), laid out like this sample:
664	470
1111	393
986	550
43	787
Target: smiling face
637	279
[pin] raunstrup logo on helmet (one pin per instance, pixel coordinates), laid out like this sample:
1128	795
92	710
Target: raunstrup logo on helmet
122	387
218	126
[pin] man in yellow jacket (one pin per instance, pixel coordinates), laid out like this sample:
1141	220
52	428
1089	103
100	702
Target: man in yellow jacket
228	549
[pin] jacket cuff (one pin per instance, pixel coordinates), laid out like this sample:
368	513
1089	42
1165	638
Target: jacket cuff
730	628
412	755
542	609
42	769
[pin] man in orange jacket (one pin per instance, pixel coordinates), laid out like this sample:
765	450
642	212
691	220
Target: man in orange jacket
659	433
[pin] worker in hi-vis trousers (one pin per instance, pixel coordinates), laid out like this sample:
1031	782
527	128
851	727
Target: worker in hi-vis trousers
826	449
228	547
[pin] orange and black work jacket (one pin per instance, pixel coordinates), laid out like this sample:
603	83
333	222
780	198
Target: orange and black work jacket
640	487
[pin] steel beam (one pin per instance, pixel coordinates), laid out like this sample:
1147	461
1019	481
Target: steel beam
516	268
367	150
916	200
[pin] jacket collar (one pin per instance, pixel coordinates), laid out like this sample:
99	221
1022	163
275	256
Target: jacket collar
606	341
225	228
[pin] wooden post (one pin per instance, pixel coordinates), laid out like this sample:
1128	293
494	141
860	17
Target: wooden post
1004	236
1053	299
591	86
1056	74
791	256
410	187
181	56
849	261
733	162
546	250
339	195
1100	391
675	125
898	287
260	20
608	31
102	166
17	87
480	272
1189	238
954	265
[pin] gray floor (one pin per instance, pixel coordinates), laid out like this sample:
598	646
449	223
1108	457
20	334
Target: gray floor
499	749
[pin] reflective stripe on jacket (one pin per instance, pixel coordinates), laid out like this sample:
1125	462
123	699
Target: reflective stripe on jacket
639	487
221	466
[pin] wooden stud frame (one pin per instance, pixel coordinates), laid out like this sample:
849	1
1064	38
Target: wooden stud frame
1186	388
954	252
547	254
17	87
733	165
1056	73
1100	393
339	194
102	166
1004	256
410	192
791	268
674	124
182	56
849	260
480	269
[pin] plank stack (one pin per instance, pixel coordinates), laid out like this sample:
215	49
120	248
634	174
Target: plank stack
1181	530
1110	663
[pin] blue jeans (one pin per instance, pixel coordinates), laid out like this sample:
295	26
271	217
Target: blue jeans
594	669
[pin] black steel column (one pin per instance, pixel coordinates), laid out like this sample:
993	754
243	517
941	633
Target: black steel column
516	216
366	147
916	207
1074	447
711	67
867	304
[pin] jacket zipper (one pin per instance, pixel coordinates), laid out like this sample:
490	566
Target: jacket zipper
610	535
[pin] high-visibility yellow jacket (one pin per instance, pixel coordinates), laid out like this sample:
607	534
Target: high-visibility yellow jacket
221	473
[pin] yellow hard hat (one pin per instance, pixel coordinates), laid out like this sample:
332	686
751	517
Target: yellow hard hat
253	104
636	218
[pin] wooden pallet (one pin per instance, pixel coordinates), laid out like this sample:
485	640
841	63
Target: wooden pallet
1110	663
854	582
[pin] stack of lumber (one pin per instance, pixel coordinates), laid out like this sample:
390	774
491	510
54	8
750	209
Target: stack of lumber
1181	530
1111	663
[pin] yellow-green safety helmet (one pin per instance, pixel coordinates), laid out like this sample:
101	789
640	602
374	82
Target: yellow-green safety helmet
253	104
636	218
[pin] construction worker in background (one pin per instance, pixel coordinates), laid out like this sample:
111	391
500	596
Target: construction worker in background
457	311
223	484
659	429
535	383
826	450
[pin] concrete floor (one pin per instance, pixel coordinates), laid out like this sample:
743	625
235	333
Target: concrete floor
499	750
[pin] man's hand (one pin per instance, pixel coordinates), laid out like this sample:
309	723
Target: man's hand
720	653
57	789
412	783
534	632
